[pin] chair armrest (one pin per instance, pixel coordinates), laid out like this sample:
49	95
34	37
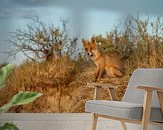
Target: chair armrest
102	85
148	101
147	88
98	86
148	91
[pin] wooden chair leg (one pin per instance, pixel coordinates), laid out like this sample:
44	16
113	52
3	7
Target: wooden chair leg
94	122
160	98
124	125
146	110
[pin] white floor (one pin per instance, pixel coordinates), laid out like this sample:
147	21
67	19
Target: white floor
57	121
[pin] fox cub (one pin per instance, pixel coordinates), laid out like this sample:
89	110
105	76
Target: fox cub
110	63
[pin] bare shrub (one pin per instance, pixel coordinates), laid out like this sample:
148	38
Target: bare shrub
41	41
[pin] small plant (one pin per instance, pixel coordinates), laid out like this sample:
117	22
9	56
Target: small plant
19	99
4	72
8	126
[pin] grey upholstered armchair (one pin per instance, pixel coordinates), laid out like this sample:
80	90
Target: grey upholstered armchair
137	106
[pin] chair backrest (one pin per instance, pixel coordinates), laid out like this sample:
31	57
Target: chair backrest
143	77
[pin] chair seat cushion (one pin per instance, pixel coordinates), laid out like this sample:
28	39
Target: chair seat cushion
131	111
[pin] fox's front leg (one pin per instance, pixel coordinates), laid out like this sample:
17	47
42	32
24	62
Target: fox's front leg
97	74
100	70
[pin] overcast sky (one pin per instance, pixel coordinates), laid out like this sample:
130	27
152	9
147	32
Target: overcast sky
86	17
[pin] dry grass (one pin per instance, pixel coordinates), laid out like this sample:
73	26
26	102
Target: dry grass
48	78
63	83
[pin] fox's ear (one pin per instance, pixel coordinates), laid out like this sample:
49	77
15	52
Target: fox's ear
93	41
84	41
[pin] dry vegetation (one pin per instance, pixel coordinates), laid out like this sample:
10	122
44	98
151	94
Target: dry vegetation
140	43
63	80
